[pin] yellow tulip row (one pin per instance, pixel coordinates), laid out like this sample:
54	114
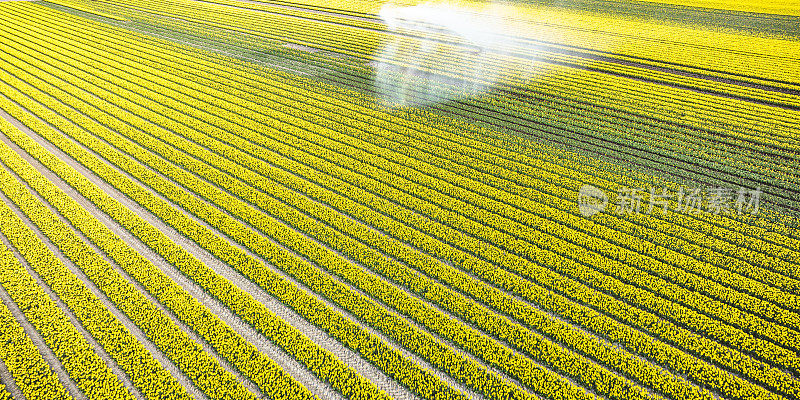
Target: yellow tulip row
487	154
360	252
468	243
263	371
419	342
710	149
464	306
320	164
467	207
31	373
511	207
525	340
365	44
543	115
340	7
669	78
747	165
451	59
700	322
365	8
198	365
775	294
332	18
372	348
147	375
274	328
89	372
494	151
351	37
765	7
359	23
78	6
767	259
781	144
330	38
771	278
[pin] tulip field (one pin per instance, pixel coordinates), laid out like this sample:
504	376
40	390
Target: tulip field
352	200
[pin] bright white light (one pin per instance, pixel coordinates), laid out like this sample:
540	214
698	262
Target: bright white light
440	51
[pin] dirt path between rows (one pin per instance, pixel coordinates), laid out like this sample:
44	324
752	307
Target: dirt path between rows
662	67
297	370
5	375
47	354
443	376
293	8
289	364
147	253
130	325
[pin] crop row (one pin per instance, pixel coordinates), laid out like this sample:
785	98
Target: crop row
360	252
525	340
243	355
570	35
350	98
705	158
648	137
304	14
446	148
147	375
309	33
351	334
748	303
79	7
89	372
775	333
31	373
420	165
418	342
198	365
583	79
678	68
369	42
515	56
648	151
670	247
371	258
